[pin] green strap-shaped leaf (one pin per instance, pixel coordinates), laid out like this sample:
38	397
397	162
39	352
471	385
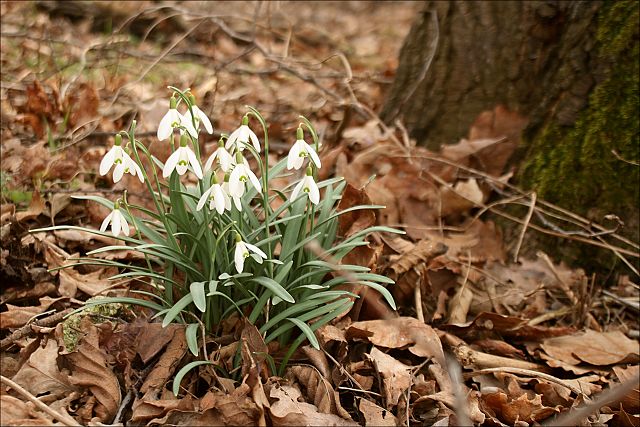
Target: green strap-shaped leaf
191	334
182	372
307	331
198	295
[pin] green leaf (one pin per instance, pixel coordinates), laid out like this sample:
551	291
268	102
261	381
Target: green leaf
274	287
191	334
176	309
199	298
307	331
182	372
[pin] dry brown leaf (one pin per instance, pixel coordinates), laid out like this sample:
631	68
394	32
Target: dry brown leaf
89	369
40	374
595	348
375	415
36	207
354	221
512	411
403	332
631	402
148	407
91	284
15	412
16	316
396	376
318	390
169	360
82	103
287	410
422	252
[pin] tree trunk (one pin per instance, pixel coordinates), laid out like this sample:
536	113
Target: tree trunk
571	68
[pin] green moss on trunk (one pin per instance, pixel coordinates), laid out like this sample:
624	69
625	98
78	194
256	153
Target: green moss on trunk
573	166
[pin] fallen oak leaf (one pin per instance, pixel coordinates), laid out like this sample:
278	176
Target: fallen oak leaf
396	376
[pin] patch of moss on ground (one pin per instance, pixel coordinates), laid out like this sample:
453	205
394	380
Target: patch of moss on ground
574	166
71	327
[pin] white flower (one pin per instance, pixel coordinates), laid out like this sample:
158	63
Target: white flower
117	220
224	158
242	136
307	185
240	174
180	160
173	119
242	251
124	163
218	199
128	165
200	117
236	200
298	152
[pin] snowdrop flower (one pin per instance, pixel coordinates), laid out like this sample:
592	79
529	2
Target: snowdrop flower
242	173
299	151
224	158
218	199
200	116
173	119
236	200
180	160
307	185
124	163
242	251
242	135
117	220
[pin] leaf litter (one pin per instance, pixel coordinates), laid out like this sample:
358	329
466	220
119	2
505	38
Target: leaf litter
534	338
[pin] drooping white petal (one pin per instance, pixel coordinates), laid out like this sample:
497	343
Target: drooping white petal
294	161
136	171
171	163
238	256
115	222
314	192
118	171
232	138
225	159
188	124
108	159
218	198
124	224
236	186
204	119
106	221
227	199
209	163
203	199
297	189
313	154
254	140
237	202
256	250
195	164
165	128
253	178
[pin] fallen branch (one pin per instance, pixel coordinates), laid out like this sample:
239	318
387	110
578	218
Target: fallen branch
27	329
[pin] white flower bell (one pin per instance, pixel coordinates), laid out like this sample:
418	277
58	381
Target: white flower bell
309	186
173	119
181	159
218	199
200	116
225	160
243	135
117	220
299	151
240	175
236	200
122	161
242	252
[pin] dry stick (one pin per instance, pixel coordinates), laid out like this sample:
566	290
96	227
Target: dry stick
65	419
417	294
26	329
526	372
609	396
527	220
455	372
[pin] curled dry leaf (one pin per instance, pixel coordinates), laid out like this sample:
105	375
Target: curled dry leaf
595	348
287	410
352	222
318	390
91	283
16	316
15	412
89	369
403	332
396	376
167	364
513	411
412	255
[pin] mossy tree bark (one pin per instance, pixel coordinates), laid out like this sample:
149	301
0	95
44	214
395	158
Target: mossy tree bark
570	67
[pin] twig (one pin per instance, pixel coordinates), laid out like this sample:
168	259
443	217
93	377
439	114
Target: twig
609	396
527	220
462	414
617	156
64	419
417	294
27	329
526	372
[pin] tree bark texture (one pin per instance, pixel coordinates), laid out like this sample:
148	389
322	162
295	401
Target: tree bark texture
570	68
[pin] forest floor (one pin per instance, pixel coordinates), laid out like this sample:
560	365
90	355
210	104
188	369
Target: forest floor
485	332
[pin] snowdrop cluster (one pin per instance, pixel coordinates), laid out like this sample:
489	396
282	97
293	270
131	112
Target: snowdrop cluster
227	160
